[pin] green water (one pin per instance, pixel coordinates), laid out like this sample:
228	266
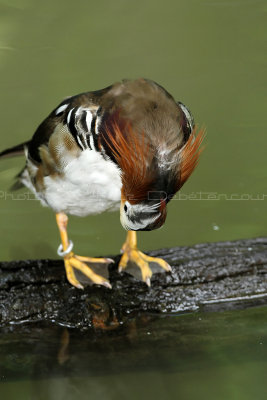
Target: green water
201	356
211	55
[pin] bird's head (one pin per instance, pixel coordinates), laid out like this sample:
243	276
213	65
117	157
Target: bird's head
155	160
142	216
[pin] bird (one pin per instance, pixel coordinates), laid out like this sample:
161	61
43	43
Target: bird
129	147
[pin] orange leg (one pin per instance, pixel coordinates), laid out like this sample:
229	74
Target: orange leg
73	261
132	258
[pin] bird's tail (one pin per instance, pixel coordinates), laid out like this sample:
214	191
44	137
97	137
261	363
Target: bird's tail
18	150
14	151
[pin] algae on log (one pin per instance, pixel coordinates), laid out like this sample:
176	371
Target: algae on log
210	277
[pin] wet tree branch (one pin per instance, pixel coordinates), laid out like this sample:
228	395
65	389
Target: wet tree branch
210	277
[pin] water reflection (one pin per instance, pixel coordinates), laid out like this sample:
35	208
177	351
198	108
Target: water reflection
150	357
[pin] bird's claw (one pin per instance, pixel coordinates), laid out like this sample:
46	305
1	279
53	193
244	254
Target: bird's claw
139	265
72	262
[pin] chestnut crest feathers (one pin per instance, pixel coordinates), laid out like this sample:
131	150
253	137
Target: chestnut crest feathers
189	155
134	156
138	160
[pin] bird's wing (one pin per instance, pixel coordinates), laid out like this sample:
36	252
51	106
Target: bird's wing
76	116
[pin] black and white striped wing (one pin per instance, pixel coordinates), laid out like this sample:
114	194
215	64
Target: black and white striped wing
81	120
83	124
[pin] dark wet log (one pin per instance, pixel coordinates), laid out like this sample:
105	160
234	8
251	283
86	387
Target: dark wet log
209	277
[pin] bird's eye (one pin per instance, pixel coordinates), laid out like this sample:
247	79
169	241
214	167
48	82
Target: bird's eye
125	208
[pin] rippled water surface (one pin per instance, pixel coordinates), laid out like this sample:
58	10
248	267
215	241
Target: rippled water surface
208	54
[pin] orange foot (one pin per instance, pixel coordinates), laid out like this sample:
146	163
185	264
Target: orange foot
72	261
139	264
